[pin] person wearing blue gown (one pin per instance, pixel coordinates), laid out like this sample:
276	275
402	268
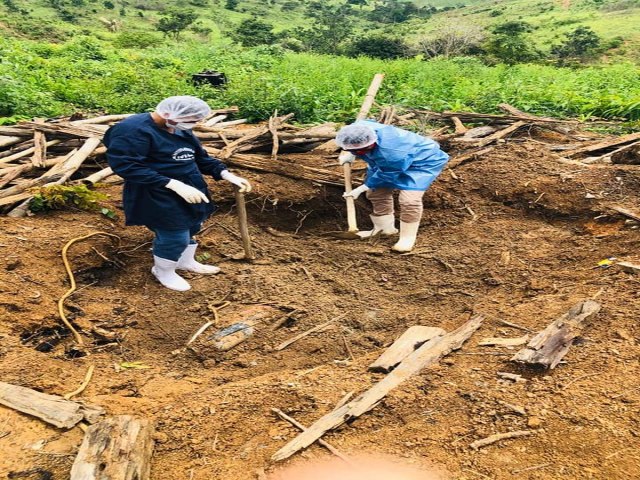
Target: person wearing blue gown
396	159
162	164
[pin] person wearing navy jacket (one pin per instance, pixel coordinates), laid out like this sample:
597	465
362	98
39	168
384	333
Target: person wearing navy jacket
396	159
162	164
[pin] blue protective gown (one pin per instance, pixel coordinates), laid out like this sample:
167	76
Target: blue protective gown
147	158
402	160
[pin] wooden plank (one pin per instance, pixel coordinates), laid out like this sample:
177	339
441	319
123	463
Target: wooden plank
611	142
406	344
503	342
118	448
40	146
550	345
49	408
428	354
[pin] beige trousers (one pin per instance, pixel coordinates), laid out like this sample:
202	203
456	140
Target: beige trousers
410	203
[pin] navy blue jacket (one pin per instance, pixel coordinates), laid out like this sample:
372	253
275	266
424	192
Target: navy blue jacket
148	157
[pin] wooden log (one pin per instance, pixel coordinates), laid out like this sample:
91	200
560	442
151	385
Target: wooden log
471	116
26	153
40	145
428	354
98	176
550	345
460	129
466	157
16	131
101	119
478	444
273	128
66	169
500	134
26	185
233	146
243	225
118	448
232	123
8	141
406	344
213	120
601	145
473	134
10	174
68	130
52	409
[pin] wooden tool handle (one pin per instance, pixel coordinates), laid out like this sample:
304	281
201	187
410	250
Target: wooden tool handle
243	224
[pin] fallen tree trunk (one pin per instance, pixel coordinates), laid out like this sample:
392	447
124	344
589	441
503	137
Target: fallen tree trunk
48	408
428	354
601	145
550	345
118	448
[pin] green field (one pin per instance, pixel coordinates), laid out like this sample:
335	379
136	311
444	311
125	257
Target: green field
67	66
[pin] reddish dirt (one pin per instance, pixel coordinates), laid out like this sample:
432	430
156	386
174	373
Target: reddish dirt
517	236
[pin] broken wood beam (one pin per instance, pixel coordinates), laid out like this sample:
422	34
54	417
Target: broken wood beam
40	146
601	145
52	409
428	354
550	345
629	267
118	448
301	427
406	344
26	153
500	134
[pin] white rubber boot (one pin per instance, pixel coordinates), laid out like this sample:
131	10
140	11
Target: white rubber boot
384	224
408	234
188	262
165	271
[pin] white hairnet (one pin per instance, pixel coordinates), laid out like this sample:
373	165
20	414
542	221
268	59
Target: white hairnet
183	108
356	135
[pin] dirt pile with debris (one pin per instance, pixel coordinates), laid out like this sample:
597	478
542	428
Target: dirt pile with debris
515	234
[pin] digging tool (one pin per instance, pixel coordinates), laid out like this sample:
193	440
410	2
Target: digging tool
243	224
347	157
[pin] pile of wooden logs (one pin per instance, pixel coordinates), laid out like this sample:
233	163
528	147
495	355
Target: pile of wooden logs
43	153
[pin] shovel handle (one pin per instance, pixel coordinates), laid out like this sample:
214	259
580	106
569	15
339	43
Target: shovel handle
243	224
352	222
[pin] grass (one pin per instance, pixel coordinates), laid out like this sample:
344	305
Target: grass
92	75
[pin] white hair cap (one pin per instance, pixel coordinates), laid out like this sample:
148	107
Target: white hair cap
356	135
183	108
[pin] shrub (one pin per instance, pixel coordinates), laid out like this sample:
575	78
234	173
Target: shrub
378	46
136	40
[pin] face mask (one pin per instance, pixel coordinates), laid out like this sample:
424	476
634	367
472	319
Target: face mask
184	125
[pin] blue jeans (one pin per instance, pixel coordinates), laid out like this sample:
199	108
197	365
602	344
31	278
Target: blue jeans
170	244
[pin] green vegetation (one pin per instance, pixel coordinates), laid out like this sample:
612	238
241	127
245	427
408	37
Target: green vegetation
116	56
60	197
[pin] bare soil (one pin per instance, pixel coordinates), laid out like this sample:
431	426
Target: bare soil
515	235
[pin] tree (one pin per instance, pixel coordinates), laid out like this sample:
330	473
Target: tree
252	32
332	26
452	41
509	45
231	4
360	3
174	22
578	45
11	6
378	46
108	4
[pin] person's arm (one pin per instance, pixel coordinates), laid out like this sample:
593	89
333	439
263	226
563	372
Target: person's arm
127	155
207	164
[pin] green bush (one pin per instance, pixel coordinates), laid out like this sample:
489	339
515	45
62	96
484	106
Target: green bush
139	40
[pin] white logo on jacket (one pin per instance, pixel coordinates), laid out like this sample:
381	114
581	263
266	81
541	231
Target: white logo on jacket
184	155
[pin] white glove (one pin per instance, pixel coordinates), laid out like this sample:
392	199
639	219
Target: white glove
346	157
189	193
242	183
356	192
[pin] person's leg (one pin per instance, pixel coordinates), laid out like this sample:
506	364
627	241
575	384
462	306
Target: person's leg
383	218
168	246
411	209
188	260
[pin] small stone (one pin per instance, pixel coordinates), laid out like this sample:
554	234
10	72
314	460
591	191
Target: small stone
534	422
161	437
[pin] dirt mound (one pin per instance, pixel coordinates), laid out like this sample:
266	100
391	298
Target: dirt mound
513	235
